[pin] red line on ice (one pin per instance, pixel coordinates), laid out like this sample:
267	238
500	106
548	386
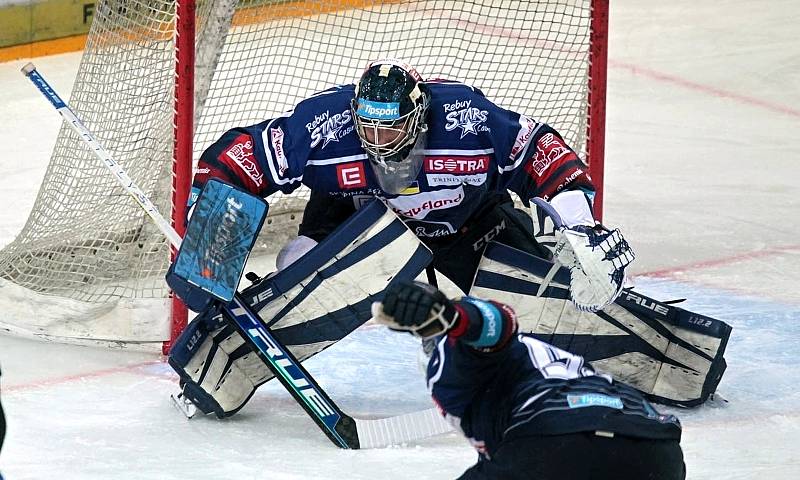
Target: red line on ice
671	271
80	376
717	92
542	43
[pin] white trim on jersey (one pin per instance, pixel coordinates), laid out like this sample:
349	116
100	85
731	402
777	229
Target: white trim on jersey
522	155
270	160
549	360
461	153
337	160
436	376
532	399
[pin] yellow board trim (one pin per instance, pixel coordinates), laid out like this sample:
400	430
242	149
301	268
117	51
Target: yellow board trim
40	46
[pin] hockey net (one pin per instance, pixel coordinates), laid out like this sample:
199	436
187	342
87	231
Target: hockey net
89	265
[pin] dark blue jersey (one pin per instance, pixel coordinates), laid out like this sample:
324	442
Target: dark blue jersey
530	388
472	149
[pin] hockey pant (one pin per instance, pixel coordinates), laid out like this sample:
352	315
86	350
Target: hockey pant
581	455
455	256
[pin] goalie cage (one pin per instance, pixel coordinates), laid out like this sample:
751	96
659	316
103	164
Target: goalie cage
89	267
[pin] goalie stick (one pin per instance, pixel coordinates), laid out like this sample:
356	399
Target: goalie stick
343	430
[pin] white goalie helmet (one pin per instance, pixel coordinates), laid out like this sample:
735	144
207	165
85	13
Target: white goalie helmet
390	106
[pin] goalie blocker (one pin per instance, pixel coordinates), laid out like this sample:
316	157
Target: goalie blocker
218	240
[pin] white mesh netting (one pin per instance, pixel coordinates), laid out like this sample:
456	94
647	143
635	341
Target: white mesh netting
87	247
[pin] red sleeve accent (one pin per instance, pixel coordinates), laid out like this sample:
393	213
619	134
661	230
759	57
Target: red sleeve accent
553	166
232	159
462	323
239	157
206	172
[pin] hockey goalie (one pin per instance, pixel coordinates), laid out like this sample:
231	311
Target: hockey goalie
443	159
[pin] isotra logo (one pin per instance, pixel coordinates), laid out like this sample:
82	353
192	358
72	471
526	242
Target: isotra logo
457	164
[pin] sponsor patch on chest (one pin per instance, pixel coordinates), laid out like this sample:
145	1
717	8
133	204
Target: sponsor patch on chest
457	164
420	205
456	170
351	175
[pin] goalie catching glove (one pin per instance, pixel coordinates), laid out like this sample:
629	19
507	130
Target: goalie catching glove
595	256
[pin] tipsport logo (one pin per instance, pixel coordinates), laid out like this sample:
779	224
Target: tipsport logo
460	114
378	110
326	128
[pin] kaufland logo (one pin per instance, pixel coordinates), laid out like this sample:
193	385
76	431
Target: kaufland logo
457	164
418	206
276	135
378	110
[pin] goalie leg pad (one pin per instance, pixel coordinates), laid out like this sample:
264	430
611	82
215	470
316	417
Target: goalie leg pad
672	355
219	371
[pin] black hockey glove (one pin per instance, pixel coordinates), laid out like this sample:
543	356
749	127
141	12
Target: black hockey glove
417	308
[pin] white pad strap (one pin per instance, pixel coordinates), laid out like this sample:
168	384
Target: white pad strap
294	249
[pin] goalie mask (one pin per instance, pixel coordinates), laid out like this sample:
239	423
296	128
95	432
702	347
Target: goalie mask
389	108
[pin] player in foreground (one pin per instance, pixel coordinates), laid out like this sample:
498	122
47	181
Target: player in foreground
531	410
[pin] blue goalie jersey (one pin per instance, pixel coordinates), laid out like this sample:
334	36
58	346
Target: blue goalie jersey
472	149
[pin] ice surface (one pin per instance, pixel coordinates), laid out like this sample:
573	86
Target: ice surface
703	158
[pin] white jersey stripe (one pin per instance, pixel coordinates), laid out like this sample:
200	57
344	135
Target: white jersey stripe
457	152
270	160
337	160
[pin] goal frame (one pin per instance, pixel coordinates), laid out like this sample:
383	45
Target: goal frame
184	123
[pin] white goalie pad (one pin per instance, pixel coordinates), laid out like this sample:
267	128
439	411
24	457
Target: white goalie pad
672	355
328	292
313	303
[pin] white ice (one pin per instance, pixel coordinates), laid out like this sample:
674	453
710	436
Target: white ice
703	160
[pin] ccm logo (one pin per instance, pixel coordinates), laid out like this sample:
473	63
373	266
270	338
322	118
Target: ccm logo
351	175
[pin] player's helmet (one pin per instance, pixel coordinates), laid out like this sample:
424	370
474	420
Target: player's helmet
389	108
